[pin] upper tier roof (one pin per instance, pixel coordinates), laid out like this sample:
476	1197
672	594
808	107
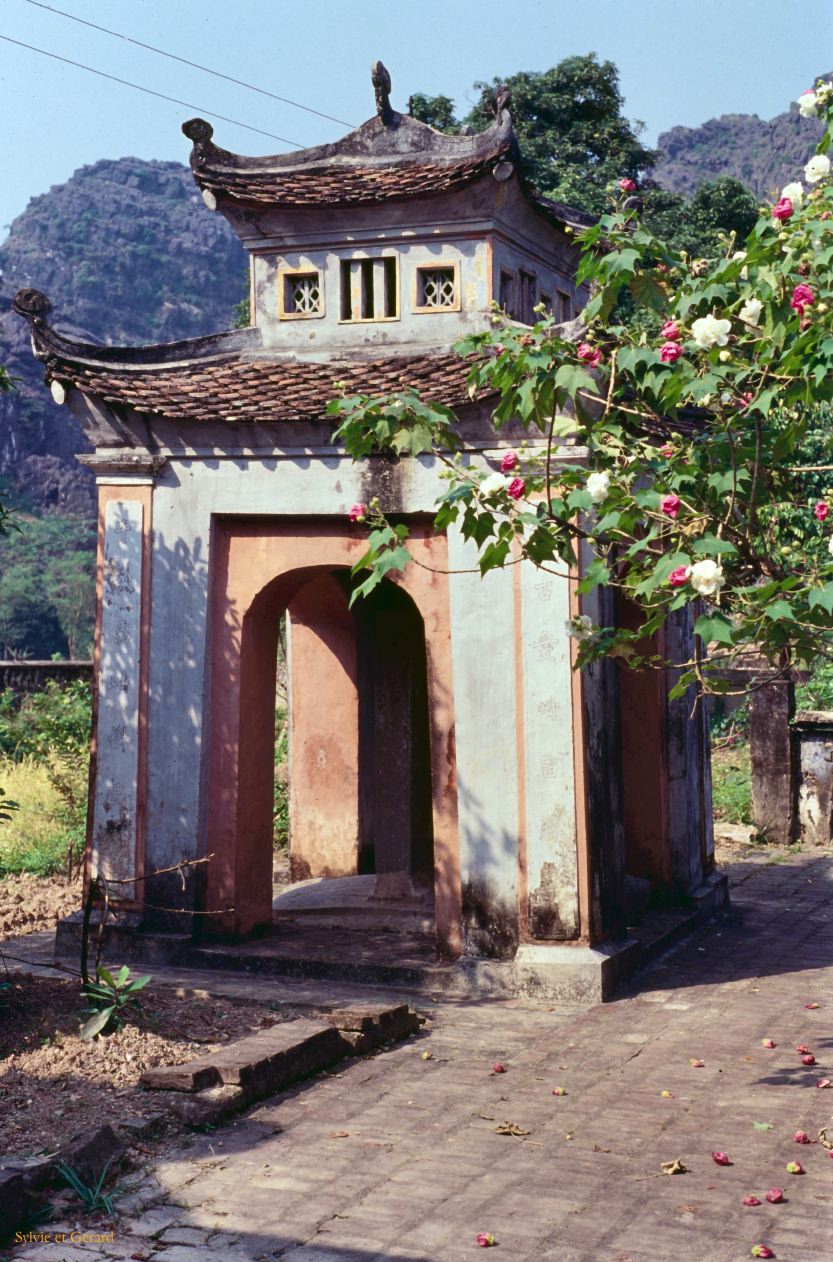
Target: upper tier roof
391	156
228	376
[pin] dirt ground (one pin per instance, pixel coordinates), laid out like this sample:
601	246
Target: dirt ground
53	1085
29	904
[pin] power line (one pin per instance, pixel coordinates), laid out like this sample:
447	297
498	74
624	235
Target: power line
189	105
193	64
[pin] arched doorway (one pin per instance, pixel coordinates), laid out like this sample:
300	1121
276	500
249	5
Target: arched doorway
373	785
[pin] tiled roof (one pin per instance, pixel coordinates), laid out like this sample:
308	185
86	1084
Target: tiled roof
378	162
340	184
264	389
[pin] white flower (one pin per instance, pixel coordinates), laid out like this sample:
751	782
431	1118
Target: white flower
493	484
598	484
830	545
580	627
823	93
795	192
736	257
709	331
751	310
817	168
807	105
706	577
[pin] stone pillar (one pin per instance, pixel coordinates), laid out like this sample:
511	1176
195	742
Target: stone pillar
771	710
813	735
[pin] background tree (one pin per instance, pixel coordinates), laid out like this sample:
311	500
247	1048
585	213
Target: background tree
436	111
574	139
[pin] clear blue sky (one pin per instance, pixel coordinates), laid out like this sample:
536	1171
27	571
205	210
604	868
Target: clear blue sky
681	61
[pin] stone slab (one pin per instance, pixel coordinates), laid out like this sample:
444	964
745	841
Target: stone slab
261	1064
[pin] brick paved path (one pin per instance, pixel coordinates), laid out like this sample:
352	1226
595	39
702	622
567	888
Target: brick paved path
397	1157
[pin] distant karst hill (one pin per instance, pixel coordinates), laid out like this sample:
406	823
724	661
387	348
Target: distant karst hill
128	253
764	155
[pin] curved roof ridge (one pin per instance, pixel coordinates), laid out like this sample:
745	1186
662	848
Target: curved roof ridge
375	142
48	343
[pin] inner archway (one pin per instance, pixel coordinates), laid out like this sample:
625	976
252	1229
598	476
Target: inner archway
371	768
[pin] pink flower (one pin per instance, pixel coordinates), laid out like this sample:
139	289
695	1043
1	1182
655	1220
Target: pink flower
670	352
516	488
795	1167
750	1200
809	1059
679	578
358	512
695	1061
811	1005
801	1047
627	186
559	1090
822	1083
666	450
801	1137
721	1159
822	511
783	209
498	1068
803	296
775	1196
509	462
762	1251
767	1043
670	505
671	331
589	354
485	1239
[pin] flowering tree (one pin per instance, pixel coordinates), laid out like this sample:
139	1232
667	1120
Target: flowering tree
693	410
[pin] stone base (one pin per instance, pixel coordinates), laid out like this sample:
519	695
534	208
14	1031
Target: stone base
566	973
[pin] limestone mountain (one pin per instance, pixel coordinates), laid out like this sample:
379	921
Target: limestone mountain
127	252
763	155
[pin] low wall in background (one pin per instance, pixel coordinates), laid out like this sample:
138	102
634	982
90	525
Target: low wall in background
30	676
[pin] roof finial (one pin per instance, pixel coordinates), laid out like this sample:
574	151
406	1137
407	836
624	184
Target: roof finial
380	78
32	305
503	99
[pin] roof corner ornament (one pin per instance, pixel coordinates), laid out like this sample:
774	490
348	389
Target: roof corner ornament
503	100
199	132
32	305
380	78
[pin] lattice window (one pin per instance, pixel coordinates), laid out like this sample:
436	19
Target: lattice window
436	288
302	293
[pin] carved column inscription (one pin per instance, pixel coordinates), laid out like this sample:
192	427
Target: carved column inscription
116	786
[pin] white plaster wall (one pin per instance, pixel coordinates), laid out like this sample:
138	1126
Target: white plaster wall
549	782
411	327
486	717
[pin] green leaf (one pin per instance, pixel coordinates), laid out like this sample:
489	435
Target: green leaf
780	609
823	597
714	627
711	546
95	1024
138	983
108	977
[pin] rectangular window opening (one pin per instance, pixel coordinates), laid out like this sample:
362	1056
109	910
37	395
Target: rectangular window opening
526	297
565	307
368	289
389	265
506	293
346	295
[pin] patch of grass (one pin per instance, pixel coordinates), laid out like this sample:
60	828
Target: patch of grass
38	835
732	784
